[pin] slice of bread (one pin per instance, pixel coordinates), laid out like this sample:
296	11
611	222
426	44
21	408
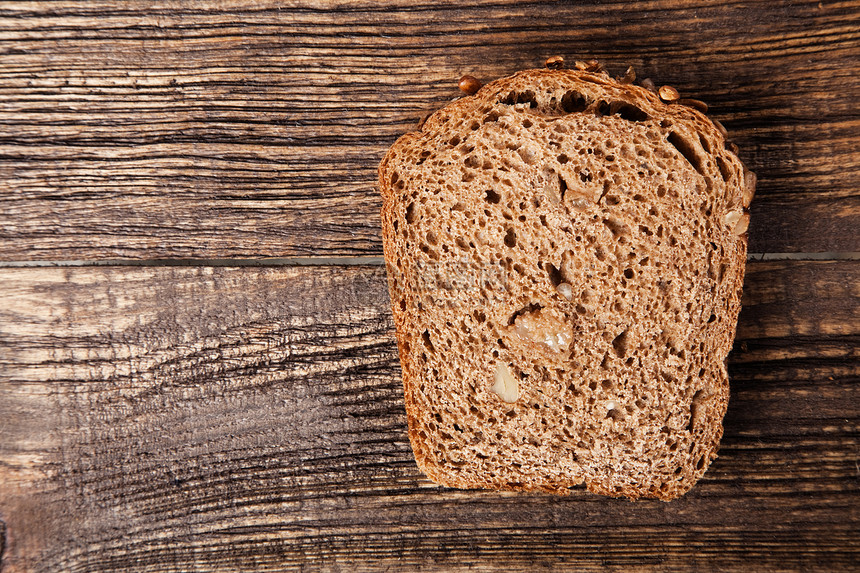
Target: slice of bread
565	256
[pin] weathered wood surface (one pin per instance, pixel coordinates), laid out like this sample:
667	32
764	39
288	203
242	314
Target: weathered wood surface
220	419
217	419
222	128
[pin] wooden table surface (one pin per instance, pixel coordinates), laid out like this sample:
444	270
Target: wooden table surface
197	365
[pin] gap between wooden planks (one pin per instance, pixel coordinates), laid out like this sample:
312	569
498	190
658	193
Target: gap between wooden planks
343	261
221	418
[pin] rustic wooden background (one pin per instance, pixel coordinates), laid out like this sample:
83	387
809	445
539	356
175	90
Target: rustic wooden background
197	366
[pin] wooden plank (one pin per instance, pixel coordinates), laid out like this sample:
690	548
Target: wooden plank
253	129
219	419
818	225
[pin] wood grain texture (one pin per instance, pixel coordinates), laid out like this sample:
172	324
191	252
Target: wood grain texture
225	419
147	130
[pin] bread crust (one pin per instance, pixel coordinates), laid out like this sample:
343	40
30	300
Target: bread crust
600	94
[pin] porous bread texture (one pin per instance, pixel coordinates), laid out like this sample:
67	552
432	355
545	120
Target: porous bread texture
565	255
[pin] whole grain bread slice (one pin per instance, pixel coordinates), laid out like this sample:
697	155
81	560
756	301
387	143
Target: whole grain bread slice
565	255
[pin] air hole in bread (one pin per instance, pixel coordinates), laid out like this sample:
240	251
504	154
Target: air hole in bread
431	253
697	408
612	199
623	109
410	213
725	171
510	238
627	111
554	274
493	197
687	149
562	187
573	102
620	344
514	98
425	338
